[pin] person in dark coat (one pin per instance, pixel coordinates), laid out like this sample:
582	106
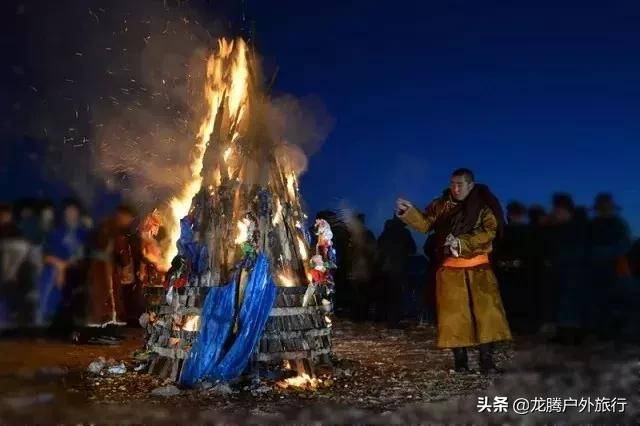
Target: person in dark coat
512	259
430	249
610	272
17	277
395	247
566	255
542	303
362	256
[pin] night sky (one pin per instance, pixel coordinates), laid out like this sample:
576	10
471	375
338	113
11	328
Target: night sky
533	96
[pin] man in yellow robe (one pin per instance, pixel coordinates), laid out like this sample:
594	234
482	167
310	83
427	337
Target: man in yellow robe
465	221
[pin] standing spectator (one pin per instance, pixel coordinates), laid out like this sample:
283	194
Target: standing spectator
16	273
395	247
362	254
566	254
512	260
108	253
542	304
63	254
609	242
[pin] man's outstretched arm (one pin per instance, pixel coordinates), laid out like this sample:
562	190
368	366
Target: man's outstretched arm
419	221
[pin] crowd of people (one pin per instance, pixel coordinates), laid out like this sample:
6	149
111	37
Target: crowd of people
60	272
567	273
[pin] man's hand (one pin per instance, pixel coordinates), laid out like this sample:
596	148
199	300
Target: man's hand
402	206
453	244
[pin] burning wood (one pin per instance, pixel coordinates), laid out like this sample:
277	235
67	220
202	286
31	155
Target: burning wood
242	199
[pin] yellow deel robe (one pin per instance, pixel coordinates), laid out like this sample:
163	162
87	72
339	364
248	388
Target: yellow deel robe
468	303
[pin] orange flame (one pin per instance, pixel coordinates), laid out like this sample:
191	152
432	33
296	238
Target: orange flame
227	73
302	381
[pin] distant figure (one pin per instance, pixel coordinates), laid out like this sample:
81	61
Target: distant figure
542	314
47	218
466	219
431	250
106	271
63	254
609	243
28	221
17	276
634	259
537	216
395	248
512	260
566	255
362	254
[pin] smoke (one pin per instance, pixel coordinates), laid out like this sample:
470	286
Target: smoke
118	102
118	99
302	124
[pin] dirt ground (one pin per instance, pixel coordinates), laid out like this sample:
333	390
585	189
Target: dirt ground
379	376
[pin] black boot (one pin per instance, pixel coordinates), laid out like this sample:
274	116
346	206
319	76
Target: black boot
486	359
461	360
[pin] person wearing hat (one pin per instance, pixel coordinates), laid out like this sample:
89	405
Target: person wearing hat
565	248
609	243
465	221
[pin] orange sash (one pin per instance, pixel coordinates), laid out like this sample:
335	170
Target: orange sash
459	262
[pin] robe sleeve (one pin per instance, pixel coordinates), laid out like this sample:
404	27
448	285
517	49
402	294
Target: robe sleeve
479	240
419	221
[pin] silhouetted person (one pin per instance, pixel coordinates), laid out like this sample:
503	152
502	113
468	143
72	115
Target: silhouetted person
537	216
105	304
28	220
430	249
634	259
64	253
566	254
542	304
512	260
609	242
362	254
17	277
395	247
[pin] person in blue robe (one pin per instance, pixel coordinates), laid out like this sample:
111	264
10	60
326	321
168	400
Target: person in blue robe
63	254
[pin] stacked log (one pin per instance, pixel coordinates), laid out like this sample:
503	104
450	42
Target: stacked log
295	333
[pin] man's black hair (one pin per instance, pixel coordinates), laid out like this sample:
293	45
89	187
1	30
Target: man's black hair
466	173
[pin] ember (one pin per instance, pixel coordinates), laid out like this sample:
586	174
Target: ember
303	381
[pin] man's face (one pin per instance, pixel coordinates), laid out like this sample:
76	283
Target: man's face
460	187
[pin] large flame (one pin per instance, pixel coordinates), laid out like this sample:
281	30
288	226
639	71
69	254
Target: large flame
222	80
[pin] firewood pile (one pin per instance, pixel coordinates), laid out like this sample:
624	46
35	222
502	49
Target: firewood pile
243	200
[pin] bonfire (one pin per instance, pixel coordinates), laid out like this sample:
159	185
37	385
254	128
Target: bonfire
240	212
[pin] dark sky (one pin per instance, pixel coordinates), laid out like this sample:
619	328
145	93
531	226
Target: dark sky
535	97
